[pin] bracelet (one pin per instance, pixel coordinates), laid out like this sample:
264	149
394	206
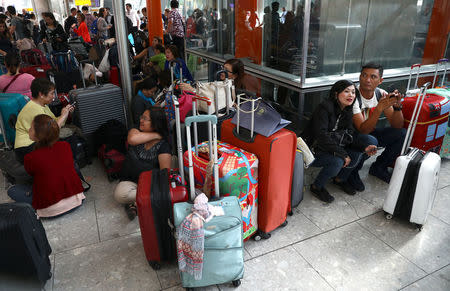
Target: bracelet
398	108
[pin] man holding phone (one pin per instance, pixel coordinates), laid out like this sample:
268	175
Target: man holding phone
367	109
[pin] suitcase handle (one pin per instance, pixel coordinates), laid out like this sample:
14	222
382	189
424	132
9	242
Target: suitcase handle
81	70
410	76
414	118
444	62
211	119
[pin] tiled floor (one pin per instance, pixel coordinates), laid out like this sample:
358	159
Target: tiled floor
346	245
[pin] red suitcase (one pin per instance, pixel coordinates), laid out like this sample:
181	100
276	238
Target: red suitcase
276	155
157	191
38	71
432	124
155	197
112	160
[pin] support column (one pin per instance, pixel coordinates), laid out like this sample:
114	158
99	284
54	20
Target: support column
154	15
122	46
40	6
248	34
438	31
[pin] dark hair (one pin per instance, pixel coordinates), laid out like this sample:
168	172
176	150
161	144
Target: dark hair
159	121
237	68
52	17
373	66
82	16
174	50
147	83
275	6
339	87
101	12
46	131
174	4
12	62
144	9
73	9
159	47
41	85
85	8
164	79
11	10
6	34
128	4
95	14
158	38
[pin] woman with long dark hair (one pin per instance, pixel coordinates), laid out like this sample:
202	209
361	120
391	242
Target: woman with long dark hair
148	149
172	55
242	80
338	150
54	33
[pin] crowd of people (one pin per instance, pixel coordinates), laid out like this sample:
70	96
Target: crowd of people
343	131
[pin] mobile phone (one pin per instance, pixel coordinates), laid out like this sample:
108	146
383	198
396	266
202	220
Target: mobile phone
378	148
73	104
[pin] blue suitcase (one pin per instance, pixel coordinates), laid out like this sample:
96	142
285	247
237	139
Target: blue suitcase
223	258
10	106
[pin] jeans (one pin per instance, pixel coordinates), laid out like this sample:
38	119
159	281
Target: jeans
361	139
392	139
330	164
21	193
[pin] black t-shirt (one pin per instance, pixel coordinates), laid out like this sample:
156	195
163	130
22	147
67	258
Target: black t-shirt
138	160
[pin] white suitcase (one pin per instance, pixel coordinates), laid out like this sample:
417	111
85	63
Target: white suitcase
414	182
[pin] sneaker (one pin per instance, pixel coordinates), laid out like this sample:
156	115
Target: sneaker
380	173
355	180
131	211
345	186
322	194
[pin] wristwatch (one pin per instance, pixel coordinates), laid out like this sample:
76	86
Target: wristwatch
397	108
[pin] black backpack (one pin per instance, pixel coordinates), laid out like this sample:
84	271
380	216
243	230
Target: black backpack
113	134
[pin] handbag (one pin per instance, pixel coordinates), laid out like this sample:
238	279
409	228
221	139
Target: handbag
259	116
219	90
185	101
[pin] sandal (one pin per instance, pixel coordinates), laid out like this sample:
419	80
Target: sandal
131	210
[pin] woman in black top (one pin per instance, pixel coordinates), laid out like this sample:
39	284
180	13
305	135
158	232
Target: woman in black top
54	33
5	40
338	150
148	148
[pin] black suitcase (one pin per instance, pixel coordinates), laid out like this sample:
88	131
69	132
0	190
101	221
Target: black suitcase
13	170
23	243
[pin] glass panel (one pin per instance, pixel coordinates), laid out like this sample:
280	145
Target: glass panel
344	34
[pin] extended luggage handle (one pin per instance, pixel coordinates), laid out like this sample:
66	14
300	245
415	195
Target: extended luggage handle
173	64
410	76
252	111
211	119
414	118
443	62
178	132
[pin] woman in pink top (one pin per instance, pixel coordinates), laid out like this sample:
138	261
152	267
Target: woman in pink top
13	81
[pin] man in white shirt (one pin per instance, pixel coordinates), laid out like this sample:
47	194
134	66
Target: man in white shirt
371	103
132	15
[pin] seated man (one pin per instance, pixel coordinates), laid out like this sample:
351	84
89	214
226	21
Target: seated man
367	110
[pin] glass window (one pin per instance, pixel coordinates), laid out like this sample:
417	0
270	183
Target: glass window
345	34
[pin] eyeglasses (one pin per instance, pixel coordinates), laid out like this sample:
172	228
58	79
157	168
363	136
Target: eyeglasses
145	118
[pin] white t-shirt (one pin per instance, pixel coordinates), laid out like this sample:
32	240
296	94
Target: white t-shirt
132	15
367	105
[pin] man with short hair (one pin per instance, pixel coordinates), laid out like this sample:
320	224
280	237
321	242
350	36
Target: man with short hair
367	109
17	27
70	20
132	15
89	19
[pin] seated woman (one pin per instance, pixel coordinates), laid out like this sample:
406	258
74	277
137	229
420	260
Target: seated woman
42	94
172	55
148	149
14	81
56	188
144	98
235	70
332	137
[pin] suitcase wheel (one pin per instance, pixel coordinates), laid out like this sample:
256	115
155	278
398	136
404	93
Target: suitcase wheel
261	235
284	223
236	283
419	227
388	215
291	213
155	265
